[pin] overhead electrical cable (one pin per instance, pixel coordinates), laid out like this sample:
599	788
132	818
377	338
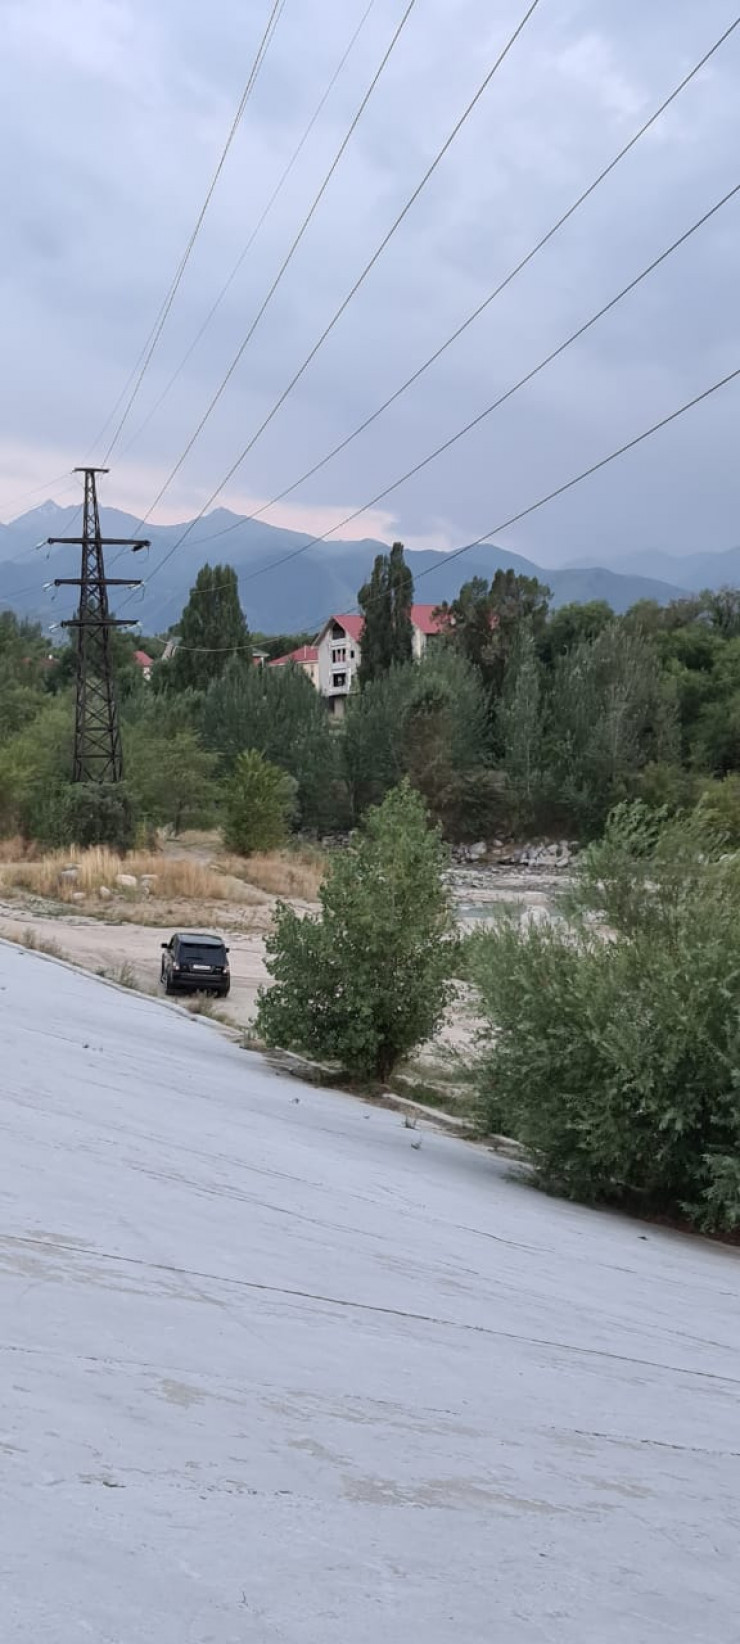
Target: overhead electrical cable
285	263
549	496
487	301
33	490
502	399
561	221
509	393
257	228
145	358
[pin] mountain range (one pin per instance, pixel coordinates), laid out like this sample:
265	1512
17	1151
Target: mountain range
299	594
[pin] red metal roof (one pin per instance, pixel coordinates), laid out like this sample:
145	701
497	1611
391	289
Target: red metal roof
305	653
422	617
350	621
143	660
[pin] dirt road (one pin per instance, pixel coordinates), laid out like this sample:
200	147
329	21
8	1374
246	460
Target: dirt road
132	952
100	947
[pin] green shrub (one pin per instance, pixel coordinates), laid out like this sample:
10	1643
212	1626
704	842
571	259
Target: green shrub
615	1054
98	813
719	807
365	983
260	801
34	773
669	787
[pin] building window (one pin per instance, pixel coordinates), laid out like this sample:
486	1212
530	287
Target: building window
339	681
339	653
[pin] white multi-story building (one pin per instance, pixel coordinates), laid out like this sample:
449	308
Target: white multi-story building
339	649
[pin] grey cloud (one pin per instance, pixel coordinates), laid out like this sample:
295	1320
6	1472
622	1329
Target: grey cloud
115	113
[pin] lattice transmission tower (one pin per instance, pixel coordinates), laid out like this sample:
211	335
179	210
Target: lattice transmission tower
97	745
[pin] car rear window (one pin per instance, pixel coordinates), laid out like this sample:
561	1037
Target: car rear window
203	953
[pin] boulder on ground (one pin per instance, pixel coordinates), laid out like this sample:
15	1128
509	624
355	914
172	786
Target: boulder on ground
127	881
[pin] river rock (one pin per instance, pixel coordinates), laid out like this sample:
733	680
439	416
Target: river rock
127	881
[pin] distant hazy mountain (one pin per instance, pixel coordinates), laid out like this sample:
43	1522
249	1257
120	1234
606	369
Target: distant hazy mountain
691	571
277	597
23	533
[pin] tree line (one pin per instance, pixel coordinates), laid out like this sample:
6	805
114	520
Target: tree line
520	720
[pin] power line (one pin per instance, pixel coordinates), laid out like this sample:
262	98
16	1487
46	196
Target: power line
561	221
373	260
357	285
160	322
503	398
286	262
32	588
586	473
475	422
33	490
558	491
258	226
491	298
137	375
27	553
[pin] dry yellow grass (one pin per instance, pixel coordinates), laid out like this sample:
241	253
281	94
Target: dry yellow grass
173	878
18	850
294	873
39	944
181	915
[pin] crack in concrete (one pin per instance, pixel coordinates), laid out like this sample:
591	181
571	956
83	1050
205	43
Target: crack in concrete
350	1304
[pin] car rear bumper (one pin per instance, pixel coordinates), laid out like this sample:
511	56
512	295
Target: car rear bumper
199	984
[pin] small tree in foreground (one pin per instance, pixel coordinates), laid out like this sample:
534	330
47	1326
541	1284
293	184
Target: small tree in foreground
260	801
365	983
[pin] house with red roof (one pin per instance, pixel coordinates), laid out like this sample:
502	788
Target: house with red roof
306	657
144	662
339	651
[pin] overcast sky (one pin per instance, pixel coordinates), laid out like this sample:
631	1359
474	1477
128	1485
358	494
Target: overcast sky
112	116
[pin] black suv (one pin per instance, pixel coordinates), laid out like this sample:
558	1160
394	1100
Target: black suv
192	963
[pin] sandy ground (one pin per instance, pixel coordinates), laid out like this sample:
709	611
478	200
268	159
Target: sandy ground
106	947
271	1373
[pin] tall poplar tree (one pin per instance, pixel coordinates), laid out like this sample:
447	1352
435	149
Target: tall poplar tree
212	630
385	602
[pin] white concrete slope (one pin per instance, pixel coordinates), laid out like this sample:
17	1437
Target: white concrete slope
271	1373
